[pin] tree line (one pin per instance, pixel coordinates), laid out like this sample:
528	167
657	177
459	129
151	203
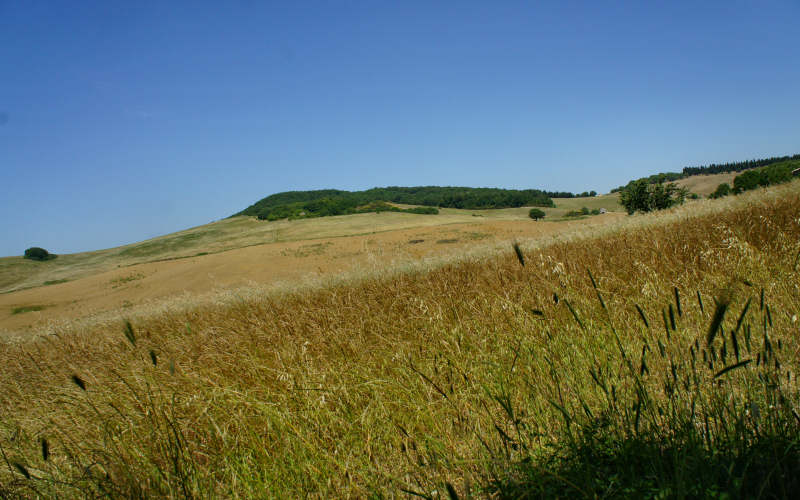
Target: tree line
320	203
737	166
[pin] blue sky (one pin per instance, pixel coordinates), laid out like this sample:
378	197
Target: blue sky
123	121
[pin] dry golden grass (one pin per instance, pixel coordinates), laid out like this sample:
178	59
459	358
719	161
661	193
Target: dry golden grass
103	291
17	273
407	381
706	184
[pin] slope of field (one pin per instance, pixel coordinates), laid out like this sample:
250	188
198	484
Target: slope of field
706	184
17	273
541	373
243	251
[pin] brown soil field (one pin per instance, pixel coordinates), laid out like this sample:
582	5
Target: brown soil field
116	288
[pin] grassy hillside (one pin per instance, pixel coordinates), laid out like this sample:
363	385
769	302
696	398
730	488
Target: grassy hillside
704	185
243	251
17	273
658	359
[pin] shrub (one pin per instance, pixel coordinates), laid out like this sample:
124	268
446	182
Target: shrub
36	253
422	210
722	190
536	214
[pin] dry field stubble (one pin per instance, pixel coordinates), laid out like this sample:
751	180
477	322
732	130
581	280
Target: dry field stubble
429	382
109	283
706	184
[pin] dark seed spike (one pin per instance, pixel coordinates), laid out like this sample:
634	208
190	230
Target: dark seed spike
716	320
594	283
22	469
762	299
451	491
643	368
742	315
574	314
79	382
45	450
129	333
555	297
769	315
700	301
678	301
642	315
666	323
732	367
672	318
153	357
602	302
518	252
735	343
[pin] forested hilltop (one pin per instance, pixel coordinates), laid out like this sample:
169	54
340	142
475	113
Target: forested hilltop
319	203
714	168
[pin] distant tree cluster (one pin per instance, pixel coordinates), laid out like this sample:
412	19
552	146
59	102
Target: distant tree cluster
737	166
583	211
320	203
334	206
775	173
641	196
714	168
567	194
653	179
764	176
36	253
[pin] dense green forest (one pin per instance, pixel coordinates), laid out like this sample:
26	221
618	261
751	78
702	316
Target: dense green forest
713	168
320	203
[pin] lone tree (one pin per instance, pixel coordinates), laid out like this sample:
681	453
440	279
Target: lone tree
36	253
536	214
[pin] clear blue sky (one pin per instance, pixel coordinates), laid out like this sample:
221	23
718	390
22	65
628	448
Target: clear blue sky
121	121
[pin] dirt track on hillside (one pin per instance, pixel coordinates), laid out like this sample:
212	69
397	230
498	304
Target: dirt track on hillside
126	287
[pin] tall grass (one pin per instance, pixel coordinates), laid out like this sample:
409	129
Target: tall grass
658	360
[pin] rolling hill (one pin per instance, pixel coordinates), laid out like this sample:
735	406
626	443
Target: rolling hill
242	251
655	354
